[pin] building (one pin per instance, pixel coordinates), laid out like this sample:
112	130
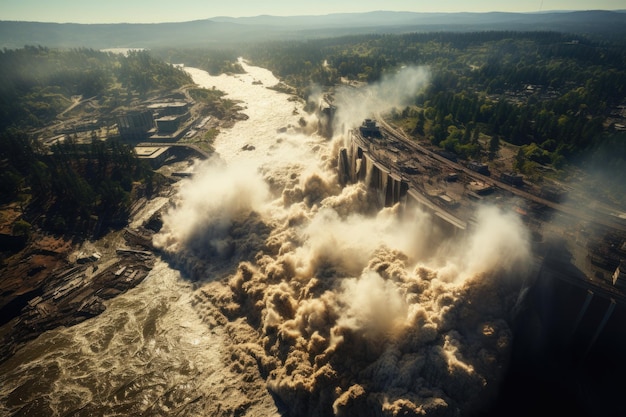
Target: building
512	178
479	187
479	167
167	125
369	129
162	121
448	155
155	155
447	201
135	125
169	108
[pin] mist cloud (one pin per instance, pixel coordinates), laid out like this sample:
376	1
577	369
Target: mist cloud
346	308
217	215
393	90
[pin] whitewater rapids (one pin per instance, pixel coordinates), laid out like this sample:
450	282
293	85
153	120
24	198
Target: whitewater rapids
296	296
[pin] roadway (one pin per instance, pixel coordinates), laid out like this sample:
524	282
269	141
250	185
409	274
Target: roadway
552	267
204	154
603	219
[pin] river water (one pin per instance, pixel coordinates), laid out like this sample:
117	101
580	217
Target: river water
149	352
153	351
300	289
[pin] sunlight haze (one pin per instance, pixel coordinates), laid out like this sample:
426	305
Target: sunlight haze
156	11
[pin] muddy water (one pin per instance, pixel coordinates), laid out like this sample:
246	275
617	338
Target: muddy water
273	117
156	350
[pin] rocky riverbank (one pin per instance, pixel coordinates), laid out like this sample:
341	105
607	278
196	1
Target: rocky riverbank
54	282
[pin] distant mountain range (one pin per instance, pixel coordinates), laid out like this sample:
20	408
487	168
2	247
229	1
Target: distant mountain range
217	30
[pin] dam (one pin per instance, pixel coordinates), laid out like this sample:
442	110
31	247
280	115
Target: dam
363	160
570	321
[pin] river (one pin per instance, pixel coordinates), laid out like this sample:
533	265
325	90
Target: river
305	297
151	352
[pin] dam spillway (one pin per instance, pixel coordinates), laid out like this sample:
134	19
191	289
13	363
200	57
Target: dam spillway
356	165
361	161
565	320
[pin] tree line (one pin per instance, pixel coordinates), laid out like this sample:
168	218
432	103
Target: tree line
38	82
69	187
79	188
551	93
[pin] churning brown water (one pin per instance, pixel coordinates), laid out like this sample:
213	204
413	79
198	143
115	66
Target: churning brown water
297	296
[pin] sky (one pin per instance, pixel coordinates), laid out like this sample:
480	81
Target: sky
157	11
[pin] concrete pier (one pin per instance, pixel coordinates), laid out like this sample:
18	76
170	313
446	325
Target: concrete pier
358	163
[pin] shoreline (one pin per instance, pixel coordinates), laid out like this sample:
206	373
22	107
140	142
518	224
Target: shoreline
76	291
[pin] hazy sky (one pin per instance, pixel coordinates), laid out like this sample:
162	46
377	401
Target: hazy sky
154	11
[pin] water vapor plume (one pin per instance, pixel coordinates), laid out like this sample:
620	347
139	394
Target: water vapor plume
498	242
395	337
392	91
216	215
350	315
346	308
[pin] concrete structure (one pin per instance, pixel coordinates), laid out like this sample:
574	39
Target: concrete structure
619	276
155	155
478	167
563	292
512	178
369	129
135	125
168	124
169	108
355	165
571	313
448	155
357	162
480	188
162	122
447	201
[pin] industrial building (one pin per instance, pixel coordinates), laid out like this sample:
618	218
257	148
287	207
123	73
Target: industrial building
155	155
479	167
447	201
369	129
161	121
512	178
169	108
167	125
135	125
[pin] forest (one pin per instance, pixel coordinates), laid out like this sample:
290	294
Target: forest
38	82
82	189
71	188
552	89
558	98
